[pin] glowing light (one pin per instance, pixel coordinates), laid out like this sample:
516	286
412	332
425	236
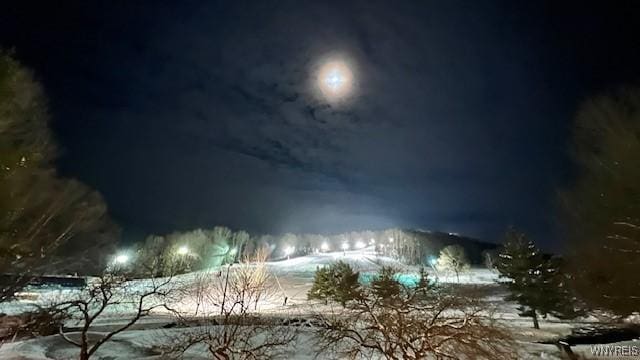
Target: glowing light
335	80
183	250
121	259
372	241
360	245
324	246
390	239
433	260
345	246
289	250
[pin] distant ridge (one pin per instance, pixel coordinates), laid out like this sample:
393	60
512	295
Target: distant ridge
436	241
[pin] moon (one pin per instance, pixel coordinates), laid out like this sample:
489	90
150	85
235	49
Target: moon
335	80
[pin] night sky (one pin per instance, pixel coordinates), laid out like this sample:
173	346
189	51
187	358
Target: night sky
191	114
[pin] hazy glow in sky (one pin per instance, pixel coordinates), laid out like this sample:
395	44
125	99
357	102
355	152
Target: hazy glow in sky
336	80
367	117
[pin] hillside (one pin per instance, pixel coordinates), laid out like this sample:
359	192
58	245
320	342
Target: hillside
409	246
437	240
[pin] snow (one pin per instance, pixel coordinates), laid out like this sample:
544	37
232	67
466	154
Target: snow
293	278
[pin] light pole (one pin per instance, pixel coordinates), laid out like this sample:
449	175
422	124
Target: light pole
288	251
433	261
392	248
233	252
224	292
120	261
183	252
345	247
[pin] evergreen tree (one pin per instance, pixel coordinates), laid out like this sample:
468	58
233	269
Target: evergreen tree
384	285
346	285
322	285
336	282
535	281
424	288
423	280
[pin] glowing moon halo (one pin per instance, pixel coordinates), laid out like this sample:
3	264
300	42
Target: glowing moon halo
335	80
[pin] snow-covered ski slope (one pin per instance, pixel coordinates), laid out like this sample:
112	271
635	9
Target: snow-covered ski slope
293	278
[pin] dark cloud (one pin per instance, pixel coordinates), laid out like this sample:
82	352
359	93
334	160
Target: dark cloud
203	113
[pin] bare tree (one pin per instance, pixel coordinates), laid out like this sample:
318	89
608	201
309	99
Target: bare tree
111	293
416	325
151	258
255	281
242	336
194	250
489	258
453	258
230	326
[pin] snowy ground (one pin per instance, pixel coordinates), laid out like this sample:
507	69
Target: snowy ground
293	279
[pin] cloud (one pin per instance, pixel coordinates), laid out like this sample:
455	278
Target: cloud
218	120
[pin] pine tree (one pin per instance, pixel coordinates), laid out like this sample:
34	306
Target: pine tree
424	288
423	280
321	289
346	285
336	282
535	281
384	285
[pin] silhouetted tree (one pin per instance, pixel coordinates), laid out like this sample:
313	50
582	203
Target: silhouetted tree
39	211
384	284
602	206
489	258
108	292
535	281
